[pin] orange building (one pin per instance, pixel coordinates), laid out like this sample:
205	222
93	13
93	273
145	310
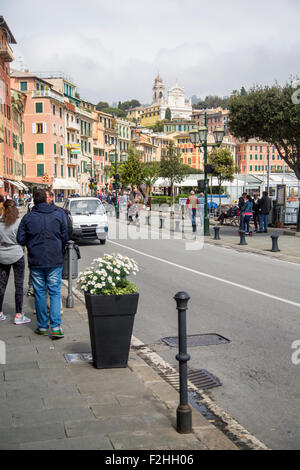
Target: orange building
252	158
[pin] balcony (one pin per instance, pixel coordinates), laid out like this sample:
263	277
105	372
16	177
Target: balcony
6	53
73	160
72	125
47	94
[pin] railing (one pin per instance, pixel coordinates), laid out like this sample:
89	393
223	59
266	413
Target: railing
47	94
6	52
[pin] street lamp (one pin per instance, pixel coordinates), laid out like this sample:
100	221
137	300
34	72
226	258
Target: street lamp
199	139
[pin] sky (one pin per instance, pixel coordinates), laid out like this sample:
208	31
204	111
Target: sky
113	49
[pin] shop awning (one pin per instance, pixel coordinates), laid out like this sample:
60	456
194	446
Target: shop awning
23	186
61	183
16	184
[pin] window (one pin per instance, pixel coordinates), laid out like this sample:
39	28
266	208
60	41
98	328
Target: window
55	169
39	128
53	109
54	149
61	150
40	169
23	86
62	170
40	149
250	167
38	107
60	112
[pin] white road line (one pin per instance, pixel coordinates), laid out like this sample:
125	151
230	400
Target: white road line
209	276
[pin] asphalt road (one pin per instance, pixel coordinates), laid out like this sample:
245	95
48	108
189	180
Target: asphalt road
252	300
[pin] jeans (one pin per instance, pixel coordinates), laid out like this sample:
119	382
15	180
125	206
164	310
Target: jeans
19	268
246	223
263	221
193	216
42	280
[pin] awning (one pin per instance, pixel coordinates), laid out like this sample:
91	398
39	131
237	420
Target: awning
16	184
61	183
23	186
1	184
74	185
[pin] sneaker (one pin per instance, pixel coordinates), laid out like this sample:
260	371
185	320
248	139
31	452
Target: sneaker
2	317
41	331
20	319
30	292
58	333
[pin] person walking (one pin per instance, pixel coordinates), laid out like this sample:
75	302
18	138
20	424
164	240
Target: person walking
11	256
193	203
242	201
265	206
246	213
44	232
256	202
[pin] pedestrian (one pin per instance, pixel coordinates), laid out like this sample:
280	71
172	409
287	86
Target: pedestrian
201	208
255	202
265	206
242	201
193	203
11	256
16	199
246	213
44	232
1	204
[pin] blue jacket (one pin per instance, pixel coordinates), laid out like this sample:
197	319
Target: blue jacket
44	232
247	207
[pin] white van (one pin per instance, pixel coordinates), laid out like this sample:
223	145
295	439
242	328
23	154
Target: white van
89	218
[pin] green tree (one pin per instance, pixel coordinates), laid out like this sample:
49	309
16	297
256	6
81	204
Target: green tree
272	115
171	167
225	167
168	114
150	174
116	111
102	105
131	172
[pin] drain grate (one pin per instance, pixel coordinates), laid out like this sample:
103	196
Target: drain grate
194	341
202	379
78	358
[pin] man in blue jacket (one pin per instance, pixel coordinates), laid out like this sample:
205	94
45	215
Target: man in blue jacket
44	232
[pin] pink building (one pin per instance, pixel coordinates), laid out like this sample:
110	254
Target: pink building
252	158
44	129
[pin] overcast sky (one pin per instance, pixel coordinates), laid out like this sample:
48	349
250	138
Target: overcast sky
113	49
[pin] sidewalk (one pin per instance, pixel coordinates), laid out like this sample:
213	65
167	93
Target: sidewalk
47	403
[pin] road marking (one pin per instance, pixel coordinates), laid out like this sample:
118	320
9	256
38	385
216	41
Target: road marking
209	276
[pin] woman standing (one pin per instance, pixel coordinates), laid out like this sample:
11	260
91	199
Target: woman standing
11	255
247	212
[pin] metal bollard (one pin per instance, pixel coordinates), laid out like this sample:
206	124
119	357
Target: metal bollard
70	300
275	248
161	223
147	220
217	233
242	238
184	411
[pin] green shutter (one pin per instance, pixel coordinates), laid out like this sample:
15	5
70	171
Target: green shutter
38	107
40	149
40	169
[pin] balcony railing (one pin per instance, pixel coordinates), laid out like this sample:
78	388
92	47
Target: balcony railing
5	52
72	125
47	94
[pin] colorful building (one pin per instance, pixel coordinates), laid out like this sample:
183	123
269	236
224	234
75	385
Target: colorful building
254	157
7	172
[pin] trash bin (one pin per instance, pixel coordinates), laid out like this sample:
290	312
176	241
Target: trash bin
75	255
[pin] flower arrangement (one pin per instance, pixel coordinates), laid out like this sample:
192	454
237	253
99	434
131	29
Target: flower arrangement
108	276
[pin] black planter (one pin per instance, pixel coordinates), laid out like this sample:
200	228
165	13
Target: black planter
111	319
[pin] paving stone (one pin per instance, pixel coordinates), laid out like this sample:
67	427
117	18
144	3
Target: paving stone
99	442
101	399
62	402
28	375
51	416
19	366
139	409
20	434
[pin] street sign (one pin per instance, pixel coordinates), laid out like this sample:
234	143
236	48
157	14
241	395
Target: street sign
281	194
70	146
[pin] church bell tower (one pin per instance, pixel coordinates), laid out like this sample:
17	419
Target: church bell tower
158	91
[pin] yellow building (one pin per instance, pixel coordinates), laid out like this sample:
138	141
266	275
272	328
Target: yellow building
150	116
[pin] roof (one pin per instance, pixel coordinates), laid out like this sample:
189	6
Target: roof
21	74
9	35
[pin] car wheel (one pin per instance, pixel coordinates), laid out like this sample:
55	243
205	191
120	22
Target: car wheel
102	242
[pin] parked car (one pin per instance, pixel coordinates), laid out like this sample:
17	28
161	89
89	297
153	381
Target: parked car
88	217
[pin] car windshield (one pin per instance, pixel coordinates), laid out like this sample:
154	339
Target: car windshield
84	207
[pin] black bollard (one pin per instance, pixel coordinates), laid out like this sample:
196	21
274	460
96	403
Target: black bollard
161	223
184	411
242	238
275	248
217	233
70	300
147	220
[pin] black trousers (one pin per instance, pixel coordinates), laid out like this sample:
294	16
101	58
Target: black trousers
256	219
19	269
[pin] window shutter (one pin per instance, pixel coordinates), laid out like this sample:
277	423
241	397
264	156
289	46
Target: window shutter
44	128
34	127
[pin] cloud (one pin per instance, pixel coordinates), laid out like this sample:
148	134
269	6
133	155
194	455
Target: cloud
114	49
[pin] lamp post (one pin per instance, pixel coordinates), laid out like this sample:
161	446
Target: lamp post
113	157
199	139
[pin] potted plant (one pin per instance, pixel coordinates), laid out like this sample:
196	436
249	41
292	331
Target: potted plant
111	301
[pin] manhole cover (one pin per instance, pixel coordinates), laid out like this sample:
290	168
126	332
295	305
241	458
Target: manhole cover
194	341
202	379
78	358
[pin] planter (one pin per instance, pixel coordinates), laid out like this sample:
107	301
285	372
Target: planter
111	321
